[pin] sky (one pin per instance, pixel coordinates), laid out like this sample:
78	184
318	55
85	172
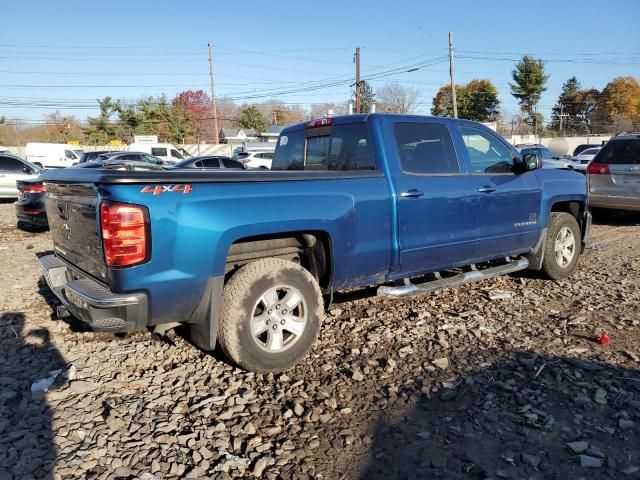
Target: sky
64	54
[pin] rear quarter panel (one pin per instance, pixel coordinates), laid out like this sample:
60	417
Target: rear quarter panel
191	233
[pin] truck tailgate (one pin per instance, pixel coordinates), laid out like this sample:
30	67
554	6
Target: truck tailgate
73	222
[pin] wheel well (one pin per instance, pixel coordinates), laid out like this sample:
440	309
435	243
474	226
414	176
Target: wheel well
573	208
310	249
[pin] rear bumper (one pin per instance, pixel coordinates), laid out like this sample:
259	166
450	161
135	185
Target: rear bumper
32	212
616	203
92	302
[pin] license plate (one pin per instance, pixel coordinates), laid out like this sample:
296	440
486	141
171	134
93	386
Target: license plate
633	180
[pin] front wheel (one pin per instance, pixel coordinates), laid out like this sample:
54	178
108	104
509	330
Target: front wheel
562	247
271	315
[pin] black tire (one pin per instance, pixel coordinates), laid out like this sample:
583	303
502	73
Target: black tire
239	304
550	264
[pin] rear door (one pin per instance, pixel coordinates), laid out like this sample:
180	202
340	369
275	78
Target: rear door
508	203
436	199
622	157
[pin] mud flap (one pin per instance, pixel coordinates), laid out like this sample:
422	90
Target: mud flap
536	255
203	324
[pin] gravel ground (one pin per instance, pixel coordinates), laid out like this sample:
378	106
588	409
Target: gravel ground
449	385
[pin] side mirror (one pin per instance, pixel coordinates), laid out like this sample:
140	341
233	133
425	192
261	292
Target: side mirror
531	162
27	170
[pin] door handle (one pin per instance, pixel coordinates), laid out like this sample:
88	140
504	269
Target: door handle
486	189
412	193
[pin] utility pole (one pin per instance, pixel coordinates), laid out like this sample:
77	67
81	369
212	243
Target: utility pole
453	78
562	116
213	99
356	59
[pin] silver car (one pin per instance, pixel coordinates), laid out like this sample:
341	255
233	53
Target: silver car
614	174
14	168
583	158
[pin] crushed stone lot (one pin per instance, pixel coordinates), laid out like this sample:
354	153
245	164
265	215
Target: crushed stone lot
500	379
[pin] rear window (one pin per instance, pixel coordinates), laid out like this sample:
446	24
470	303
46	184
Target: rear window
620	152
343	147
590	151
426	148
159	152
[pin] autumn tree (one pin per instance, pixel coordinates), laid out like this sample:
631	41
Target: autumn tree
62	128
196	106
477	101
620	103
529	83
396	98
251	117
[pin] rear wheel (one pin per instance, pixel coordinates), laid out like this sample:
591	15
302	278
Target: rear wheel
271	315
562	247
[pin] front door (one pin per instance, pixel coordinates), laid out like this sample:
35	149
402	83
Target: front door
508	203
436	200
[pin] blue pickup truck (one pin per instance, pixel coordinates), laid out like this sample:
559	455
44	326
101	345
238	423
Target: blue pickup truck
250	259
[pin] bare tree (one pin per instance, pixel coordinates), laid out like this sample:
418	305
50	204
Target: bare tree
323	109
396	98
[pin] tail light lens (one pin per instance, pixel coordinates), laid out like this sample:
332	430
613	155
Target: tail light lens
125	234
598	169
33	188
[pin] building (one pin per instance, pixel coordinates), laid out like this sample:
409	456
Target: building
271	134
237	136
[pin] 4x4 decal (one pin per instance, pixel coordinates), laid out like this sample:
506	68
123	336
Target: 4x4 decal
158	189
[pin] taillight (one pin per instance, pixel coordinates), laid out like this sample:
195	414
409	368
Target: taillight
320	122
598	169
32	188
125	234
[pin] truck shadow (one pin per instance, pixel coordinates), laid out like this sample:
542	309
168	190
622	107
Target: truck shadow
512	419
27	449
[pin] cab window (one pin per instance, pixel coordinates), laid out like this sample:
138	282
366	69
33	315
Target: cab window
176	154
487	153
69	154
425	148
343	147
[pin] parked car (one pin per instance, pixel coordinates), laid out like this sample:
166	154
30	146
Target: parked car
53	155
90	156
12	169
256	159
614	174
210	161
244	258
581	160
582	147
30	207
547	157
130	157
165	151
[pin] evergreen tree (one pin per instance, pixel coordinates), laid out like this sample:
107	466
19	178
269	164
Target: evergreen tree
529	83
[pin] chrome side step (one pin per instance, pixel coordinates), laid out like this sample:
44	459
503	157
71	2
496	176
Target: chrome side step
410	289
